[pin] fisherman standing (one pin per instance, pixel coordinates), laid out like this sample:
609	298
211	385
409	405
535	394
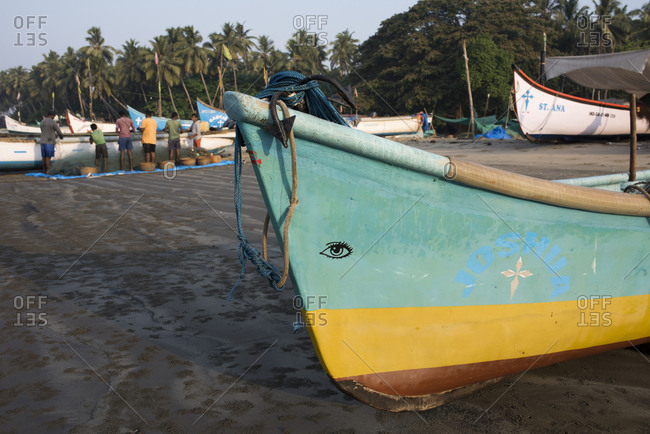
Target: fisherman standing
195	131
124	126
49	130
97	137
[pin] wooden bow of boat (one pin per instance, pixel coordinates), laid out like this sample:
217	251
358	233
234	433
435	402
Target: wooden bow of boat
424	277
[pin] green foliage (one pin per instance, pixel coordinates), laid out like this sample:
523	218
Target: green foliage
490	72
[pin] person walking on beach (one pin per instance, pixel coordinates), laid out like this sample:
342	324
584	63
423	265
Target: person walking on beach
148	128
49	130
174	127
195	131
97	137
124	126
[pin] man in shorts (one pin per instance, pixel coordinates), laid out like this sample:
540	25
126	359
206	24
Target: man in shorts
195	131
49	130
124	126
97	137
174	128
148	128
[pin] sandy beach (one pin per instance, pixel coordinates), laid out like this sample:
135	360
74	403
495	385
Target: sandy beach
116	319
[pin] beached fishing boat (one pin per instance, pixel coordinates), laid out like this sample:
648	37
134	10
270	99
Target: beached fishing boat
137	118
546	114
80	126
76	151
212	115
16	127
424	277
387	126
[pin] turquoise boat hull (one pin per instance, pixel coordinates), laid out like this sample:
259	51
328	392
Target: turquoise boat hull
211	115
137	117
419	287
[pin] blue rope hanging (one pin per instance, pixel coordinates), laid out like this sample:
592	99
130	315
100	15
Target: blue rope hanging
246	251
317	105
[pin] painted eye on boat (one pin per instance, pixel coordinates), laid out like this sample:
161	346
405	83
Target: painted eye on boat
337	250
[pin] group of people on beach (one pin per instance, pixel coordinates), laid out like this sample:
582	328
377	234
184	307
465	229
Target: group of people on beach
124	127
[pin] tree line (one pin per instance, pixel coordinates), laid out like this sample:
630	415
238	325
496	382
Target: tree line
412	63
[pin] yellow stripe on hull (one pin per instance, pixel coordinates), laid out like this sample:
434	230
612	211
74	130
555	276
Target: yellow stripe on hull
354	342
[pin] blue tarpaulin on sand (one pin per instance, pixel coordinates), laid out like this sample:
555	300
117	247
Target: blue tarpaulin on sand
122	172
495	133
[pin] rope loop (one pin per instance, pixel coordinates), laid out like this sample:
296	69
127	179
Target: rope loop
288	88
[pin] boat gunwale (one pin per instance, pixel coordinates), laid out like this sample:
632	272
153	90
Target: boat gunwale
556	93
256	112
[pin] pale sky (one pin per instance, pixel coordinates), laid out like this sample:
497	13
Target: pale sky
65	23
32	28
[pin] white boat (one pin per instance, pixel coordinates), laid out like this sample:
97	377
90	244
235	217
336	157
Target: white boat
387	126
14	126
544	113
80	126
76	151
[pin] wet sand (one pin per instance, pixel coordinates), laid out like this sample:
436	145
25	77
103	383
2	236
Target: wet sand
134	331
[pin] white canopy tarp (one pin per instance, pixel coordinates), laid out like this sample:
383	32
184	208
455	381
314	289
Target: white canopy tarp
627	71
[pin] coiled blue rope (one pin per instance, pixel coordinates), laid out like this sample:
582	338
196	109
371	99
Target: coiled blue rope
317	105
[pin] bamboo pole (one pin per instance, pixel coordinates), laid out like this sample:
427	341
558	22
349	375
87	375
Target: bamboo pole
81	105
632	137
159	93
542	64
469	89
90	90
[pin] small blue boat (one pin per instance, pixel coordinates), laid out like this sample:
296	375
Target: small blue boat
137	117
212	115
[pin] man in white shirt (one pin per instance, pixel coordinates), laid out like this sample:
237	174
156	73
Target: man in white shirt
195	131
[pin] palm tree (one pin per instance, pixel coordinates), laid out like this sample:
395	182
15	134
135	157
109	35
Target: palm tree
178	43
343	52
98	57
604	11
243	43
129	66
50	76
279	61
70	62
567	15
261	60
167	70
219	48
641	29
15	86
621	25
305	54
195	56
37	94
